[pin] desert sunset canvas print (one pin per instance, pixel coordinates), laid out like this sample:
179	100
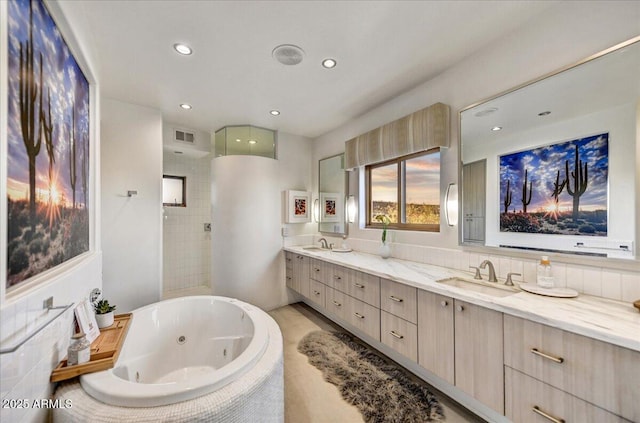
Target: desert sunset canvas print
48	146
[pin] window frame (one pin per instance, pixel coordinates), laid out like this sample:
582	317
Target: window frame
401	190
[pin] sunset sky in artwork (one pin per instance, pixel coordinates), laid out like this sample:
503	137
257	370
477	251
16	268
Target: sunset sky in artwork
543	164
68	88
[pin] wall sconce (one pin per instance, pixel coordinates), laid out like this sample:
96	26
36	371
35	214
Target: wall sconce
316	210
352	208
451	204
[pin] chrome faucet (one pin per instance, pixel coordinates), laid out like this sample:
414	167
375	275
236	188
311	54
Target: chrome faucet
323	243
492	270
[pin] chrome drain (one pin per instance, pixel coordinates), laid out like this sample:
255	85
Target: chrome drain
182	339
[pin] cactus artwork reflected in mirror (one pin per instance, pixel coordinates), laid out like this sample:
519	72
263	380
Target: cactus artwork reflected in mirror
564	188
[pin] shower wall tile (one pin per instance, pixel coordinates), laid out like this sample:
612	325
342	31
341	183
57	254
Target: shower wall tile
186	246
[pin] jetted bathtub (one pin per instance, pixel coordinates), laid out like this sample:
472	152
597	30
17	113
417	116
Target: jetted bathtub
180	349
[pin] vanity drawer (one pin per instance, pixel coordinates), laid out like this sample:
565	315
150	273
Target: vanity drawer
336	303
317	293
399	334
288	260
339	278
399	299
321	271
530	401
363	286
289	277
363	316
605	375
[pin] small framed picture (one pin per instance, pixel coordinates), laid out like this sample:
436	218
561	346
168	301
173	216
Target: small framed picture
298	207
87	320
331	207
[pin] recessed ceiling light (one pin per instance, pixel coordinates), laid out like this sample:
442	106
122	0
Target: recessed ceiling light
186	106
253	142
496	128
275	112
183	49
329	63
238	140
545	113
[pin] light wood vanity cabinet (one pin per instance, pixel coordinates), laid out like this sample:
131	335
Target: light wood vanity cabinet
336	303
317	293
297	272
435	334
530	401
602	374
321	271
399	299
362	286
479	353
399	334
365	317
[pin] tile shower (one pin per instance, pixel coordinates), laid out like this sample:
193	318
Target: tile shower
186	245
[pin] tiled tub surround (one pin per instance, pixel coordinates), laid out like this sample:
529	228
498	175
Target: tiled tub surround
605	324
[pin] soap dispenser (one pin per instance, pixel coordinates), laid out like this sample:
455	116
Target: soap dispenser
545	274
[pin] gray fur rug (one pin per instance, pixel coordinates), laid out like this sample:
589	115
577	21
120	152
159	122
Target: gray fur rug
382	390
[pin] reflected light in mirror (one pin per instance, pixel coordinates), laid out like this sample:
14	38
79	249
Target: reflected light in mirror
451	204
316	210
352	209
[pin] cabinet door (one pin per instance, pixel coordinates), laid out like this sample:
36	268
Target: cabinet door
479	364
301	266
317	293
321	271
399	299
474	199
530	401
435	334
335	302
399	334
364	317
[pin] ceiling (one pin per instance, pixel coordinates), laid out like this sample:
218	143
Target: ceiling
383	48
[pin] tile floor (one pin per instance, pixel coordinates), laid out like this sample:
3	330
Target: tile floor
308	398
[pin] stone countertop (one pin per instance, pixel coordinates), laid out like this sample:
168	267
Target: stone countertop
607	320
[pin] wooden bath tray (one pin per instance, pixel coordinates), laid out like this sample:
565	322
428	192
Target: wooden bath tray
104	351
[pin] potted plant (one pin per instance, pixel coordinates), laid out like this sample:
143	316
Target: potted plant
385	249
104	313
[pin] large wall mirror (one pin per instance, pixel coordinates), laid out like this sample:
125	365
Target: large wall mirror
552	165
332	191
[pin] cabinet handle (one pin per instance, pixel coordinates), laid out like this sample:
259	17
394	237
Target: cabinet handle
288	277
397	335
358	315
357	285
316	292
547	356
547	416
288	259
336	277
337	303
444	303
460	308
396	299
316	269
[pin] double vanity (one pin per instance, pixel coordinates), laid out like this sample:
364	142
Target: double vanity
506	354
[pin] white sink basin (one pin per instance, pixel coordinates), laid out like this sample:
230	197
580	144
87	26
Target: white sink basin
494	289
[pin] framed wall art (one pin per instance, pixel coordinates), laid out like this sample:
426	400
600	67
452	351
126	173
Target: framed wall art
559	189
298	207
48	138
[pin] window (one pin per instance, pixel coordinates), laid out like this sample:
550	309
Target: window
174	192
407	191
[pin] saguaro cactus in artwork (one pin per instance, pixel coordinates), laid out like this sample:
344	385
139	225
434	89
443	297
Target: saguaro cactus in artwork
526	200
29	99
507	197
558	187
73	168
579	184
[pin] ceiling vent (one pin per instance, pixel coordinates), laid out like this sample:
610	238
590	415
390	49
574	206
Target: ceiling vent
288	54
184	135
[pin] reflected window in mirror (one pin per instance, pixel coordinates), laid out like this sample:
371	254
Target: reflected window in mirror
174	191
407	191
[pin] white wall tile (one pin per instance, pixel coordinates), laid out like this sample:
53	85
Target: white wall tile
592	282
630	287
611	285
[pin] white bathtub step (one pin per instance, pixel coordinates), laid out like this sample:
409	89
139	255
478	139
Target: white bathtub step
184	374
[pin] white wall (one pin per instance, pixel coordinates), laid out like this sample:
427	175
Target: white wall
559	36
131	157
247	217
